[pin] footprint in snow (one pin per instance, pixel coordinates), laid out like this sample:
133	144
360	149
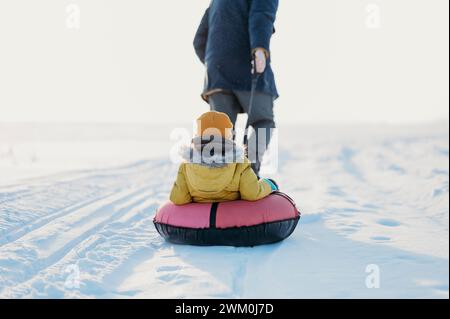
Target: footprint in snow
439	191
389	222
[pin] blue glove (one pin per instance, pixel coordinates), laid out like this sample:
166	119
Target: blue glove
272	183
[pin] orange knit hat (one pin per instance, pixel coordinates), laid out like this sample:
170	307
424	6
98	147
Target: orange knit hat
214	123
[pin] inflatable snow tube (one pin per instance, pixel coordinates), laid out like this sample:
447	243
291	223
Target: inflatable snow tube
238	223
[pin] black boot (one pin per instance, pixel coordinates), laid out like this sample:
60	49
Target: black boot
255	168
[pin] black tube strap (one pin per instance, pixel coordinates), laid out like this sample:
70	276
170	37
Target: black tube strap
213	215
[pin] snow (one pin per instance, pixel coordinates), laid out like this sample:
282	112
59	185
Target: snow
77	203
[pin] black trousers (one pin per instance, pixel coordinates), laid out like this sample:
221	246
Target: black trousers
261	119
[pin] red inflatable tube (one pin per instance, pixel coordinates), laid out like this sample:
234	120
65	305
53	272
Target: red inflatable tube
237	223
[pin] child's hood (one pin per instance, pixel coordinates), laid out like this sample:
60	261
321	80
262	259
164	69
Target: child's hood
211	172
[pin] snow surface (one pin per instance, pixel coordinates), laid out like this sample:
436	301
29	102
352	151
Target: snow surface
77	203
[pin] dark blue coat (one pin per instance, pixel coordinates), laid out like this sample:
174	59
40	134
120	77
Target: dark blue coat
229	31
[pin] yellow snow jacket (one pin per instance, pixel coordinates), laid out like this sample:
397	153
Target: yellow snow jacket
217	178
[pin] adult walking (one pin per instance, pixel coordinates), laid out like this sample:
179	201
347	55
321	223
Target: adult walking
231	35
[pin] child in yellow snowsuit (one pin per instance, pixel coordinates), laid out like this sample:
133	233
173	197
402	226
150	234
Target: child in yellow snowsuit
215	168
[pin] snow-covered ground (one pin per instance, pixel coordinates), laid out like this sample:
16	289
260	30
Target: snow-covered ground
77	203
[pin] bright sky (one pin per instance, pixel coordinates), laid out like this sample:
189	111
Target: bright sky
132	61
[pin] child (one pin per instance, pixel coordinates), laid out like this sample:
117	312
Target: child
215	168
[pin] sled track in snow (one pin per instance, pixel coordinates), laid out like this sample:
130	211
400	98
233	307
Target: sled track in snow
55	225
